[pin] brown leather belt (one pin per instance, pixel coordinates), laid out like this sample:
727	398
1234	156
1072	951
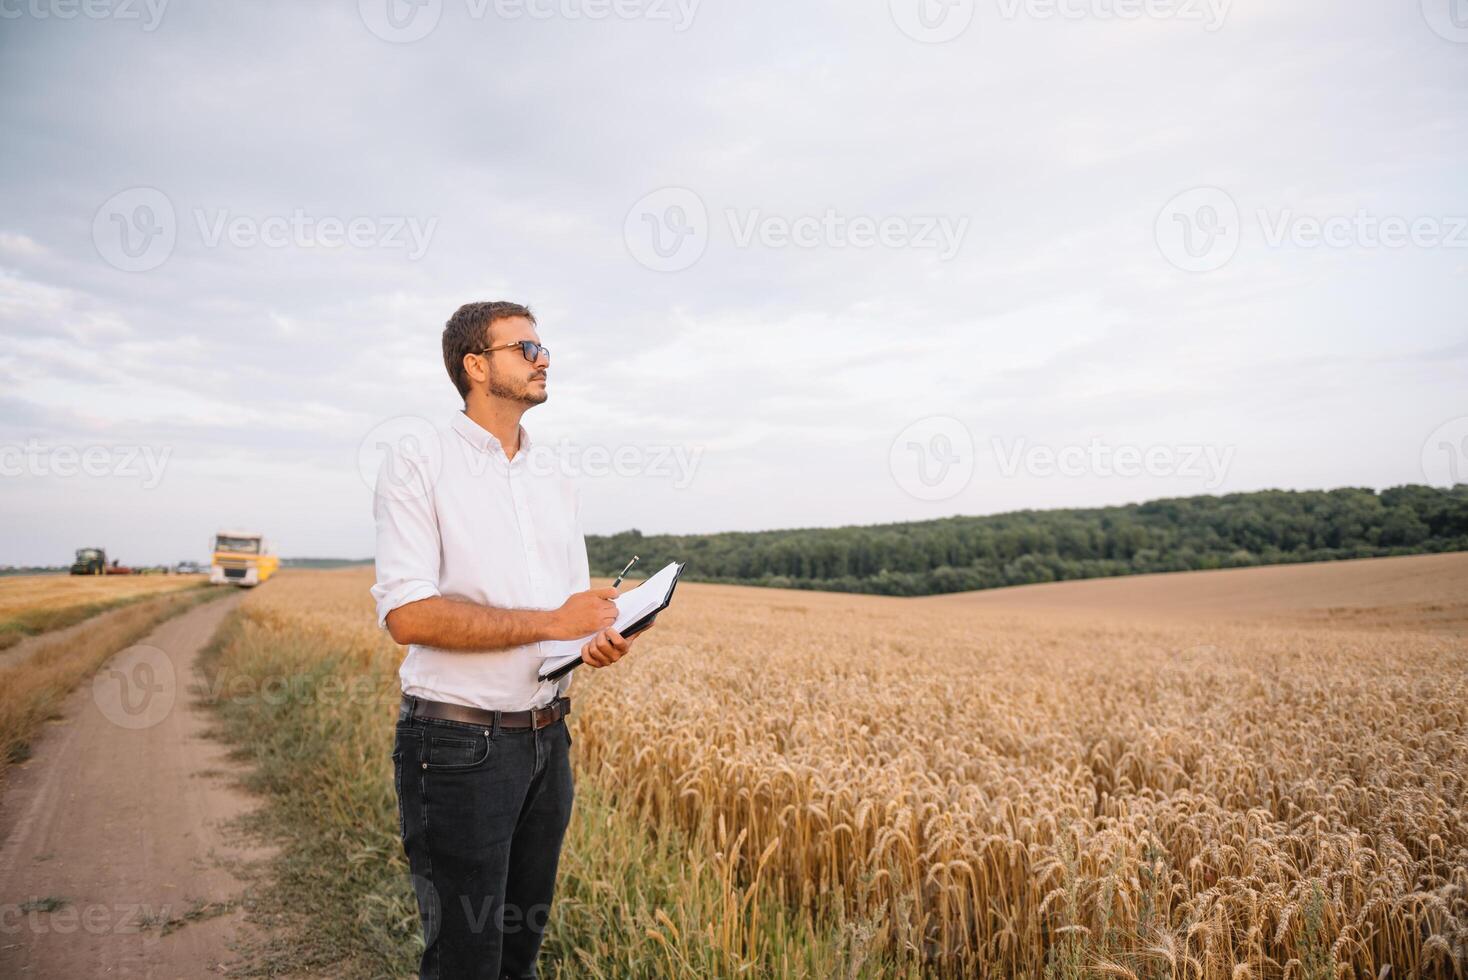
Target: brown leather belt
507	720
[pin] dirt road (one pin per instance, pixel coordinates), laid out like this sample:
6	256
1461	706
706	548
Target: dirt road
116	861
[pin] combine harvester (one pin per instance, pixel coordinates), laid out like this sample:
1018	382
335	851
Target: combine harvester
241	558
93	561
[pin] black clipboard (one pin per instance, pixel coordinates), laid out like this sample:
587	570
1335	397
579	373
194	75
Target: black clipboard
636	627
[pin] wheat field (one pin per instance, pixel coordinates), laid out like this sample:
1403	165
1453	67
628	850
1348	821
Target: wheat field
32	604
960	786
38	593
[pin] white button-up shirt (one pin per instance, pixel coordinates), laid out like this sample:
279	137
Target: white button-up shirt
456	518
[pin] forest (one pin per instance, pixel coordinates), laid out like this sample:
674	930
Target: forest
958	554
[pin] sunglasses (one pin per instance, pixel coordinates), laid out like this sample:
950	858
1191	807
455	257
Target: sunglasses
529	348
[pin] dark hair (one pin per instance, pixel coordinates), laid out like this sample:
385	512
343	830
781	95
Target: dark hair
467	332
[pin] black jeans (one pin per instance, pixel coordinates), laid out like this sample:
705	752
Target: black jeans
482	813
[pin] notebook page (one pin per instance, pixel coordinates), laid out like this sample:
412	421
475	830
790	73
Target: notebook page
632	605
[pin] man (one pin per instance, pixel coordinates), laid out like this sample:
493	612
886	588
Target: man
481	558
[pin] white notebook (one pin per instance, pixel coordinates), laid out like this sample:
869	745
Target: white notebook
633	606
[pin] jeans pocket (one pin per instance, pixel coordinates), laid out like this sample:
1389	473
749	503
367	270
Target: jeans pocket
397	781
406	747
405	737
451	752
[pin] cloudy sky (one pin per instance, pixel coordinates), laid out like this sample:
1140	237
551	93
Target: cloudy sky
799	264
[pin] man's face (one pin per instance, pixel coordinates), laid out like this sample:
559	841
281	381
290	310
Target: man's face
510	375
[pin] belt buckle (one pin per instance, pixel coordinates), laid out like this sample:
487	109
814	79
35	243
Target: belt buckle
536	714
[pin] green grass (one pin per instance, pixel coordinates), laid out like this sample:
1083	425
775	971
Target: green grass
632	901
51	903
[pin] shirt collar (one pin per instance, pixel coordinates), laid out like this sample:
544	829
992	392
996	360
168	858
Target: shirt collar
484	440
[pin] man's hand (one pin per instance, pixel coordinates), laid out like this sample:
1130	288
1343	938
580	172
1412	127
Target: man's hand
607	647
585	612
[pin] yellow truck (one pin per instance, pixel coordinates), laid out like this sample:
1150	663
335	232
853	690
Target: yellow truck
241	558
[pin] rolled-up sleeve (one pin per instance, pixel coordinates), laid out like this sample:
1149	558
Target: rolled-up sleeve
409	549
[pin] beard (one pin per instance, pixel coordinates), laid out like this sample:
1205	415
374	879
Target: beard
516	391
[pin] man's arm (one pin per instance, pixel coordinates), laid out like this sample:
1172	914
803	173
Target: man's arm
457	624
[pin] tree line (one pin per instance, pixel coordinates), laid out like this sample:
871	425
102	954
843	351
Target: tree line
958	554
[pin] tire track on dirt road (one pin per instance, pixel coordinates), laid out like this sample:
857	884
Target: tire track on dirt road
116	859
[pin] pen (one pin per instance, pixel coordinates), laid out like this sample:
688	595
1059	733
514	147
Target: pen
624	572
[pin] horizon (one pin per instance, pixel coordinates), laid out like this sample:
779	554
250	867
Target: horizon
775	530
